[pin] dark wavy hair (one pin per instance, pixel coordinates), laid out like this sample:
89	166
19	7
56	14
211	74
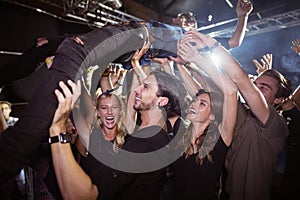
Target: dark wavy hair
171	87
207	140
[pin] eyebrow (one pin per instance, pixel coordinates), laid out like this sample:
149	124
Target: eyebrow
149	83
264	84
203	100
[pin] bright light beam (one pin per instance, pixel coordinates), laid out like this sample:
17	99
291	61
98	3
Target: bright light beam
229	3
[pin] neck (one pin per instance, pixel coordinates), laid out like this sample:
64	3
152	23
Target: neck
197	130
108	134
173	119
152	117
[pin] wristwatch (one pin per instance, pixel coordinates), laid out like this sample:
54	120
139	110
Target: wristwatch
62	138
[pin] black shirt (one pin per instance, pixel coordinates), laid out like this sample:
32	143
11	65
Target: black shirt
115	183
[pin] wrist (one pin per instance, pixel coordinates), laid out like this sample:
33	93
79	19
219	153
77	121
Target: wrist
135	62
243	16
62	138
54	130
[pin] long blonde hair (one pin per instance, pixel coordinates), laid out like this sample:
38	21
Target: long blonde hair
120	132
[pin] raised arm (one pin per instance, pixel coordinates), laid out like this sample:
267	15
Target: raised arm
73	182
138	76
249	91
243	9
227	87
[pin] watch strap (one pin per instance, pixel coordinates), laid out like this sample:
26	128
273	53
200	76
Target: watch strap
63	137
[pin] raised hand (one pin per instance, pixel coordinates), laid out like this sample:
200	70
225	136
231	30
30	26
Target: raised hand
266	63
243	8
194	43
139	53
116	74
296	46
66	100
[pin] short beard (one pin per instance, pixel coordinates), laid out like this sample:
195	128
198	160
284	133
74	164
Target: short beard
143	106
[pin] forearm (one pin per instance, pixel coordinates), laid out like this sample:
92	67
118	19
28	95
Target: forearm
249	91
138	70
239	33
105	83
130	115
190	84
73	182
229	117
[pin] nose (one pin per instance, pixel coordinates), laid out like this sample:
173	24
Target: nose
138	89
109	110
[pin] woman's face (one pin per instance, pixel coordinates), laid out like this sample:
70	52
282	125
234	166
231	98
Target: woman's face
109	111
200	109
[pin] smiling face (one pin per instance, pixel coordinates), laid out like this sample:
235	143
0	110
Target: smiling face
6	110
186	21
200	109
109	111
146	94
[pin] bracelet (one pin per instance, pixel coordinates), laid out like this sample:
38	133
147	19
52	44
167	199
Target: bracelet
207	50
63	138
215	45
141	75
187	65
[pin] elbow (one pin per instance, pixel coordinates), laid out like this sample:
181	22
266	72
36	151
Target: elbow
240	77
234	43
231	91
90	193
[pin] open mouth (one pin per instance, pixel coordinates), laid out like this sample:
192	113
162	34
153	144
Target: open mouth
109	118
192	110
137	98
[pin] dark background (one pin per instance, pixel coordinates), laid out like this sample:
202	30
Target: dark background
21	26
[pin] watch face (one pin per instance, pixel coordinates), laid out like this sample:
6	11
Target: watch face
65	137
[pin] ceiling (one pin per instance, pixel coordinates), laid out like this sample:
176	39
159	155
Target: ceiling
101	12
279	19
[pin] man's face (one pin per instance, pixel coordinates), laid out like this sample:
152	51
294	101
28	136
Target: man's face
268	86
6	110
146	94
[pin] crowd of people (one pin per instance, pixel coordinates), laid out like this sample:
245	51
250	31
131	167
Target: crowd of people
142	110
